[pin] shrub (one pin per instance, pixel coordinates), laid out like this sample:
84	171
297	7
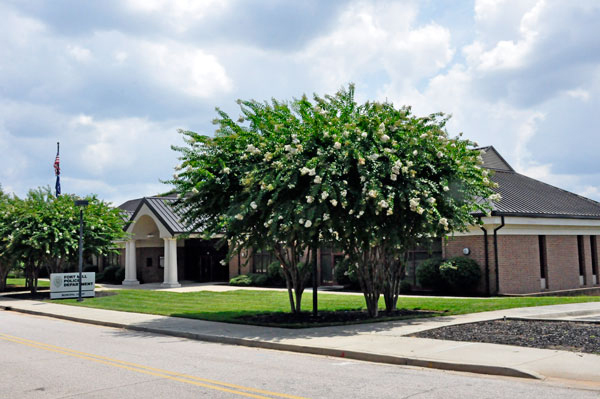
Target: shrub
428	274
241	281
90	268
259	280
461	273
119	275
346	275
112	274
251	279
275	274
405	286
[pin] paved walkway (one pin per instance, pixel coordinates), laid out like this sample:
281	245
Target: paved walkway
381	342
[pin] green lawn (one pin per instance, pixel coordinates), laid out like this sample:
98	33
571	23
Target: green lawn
227	306
20	283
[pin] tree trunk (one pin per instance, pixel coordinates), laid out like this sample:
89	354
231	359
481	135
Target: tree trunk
370	279
4	269
290	293
34	279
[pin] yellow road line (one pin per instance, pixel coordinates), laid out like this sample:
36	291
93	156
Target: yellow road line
206	383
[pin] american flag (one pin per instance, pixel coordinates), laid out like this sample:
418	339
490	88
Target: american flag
57	169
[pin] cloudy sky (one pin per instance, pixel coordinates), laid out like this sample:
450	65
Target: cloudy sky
113	80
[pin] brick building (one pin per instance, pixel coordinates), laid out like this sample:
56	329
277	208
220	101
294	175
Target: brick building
537	238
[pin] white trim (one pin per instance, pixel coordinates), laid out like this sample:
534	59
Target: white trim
145	211
535	226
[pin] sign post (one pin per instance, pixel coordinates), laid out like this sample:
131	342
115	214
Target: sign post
81	204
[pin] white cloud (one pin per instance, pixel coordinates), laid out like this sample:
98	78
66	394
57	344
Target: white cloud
378	38
184	68
80	54
179	14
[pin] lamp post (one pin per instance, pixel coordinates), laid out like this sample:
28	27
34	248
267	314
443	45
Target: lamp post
81	204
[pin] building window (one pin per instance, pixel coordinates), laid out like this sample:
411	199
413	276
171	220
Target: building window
161	262
581	255
261	260
594	247
148	262
543	262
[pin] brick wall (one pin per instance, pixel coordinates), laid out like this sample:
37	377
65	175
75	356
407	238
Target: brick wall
454	246
563	262
598	257
519	261
519	264
245	264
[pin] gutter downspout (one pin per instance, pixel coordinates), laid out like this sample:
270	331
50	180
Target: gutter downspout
496	254
487	261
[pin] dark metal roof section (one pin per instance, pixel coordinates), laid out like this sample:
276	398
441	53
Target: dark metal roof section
493	160
164	212
524	196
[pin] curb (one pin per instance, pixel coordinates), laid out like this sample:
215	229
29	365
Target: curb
354	355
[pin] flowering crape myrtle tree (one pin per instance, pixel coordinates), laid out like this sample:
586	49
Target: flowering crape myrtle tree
400	180
370	179
256	184
43	231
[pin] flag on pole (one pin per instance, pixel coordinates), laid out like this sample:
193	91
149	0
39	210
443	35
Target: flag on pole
57	169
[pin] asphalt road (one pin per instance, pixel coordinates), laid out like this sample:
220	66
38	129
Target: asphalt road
48	358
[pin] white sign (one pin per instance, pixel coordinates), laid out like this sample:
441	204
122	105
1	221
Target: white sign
66	285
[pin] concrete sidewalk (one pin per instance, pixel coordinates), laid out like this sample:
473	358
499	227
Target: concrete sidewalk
379	342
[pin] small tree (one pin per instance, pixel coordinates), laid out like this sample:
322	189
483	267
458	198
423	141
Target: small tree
43	231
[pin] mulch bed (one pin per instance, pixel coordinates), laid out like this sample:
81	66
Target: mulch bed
327	318
562	335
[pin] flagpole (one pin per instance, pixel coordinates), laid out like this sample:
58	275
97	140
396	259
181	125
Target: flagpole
57	169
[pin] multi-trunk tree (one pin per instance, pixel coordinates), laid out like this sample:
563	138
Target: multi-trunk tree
43	231
368	178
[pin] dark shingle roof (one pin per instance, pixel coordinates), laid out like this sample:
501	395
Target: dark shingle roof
493	160
524	196
162	208
521	196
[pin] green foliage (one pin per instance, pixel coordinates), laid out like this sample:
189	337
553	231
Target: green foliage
90	268
461	273
250	280
42	231
368	178
275	274
428	273
345	274
113	274
241	281
405	287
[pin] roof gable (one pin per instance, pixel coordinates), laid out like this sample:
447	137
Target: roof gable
493	160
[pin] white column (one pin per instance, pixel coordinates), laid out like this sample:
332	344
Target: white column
170	276
130	266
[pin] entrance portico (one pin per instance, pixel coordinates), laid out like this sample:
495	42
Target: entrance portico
147	231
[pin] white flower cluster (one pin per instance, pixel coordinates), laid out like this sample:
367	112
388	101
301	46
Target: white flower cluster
307	171
252	149
495	197
444	222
